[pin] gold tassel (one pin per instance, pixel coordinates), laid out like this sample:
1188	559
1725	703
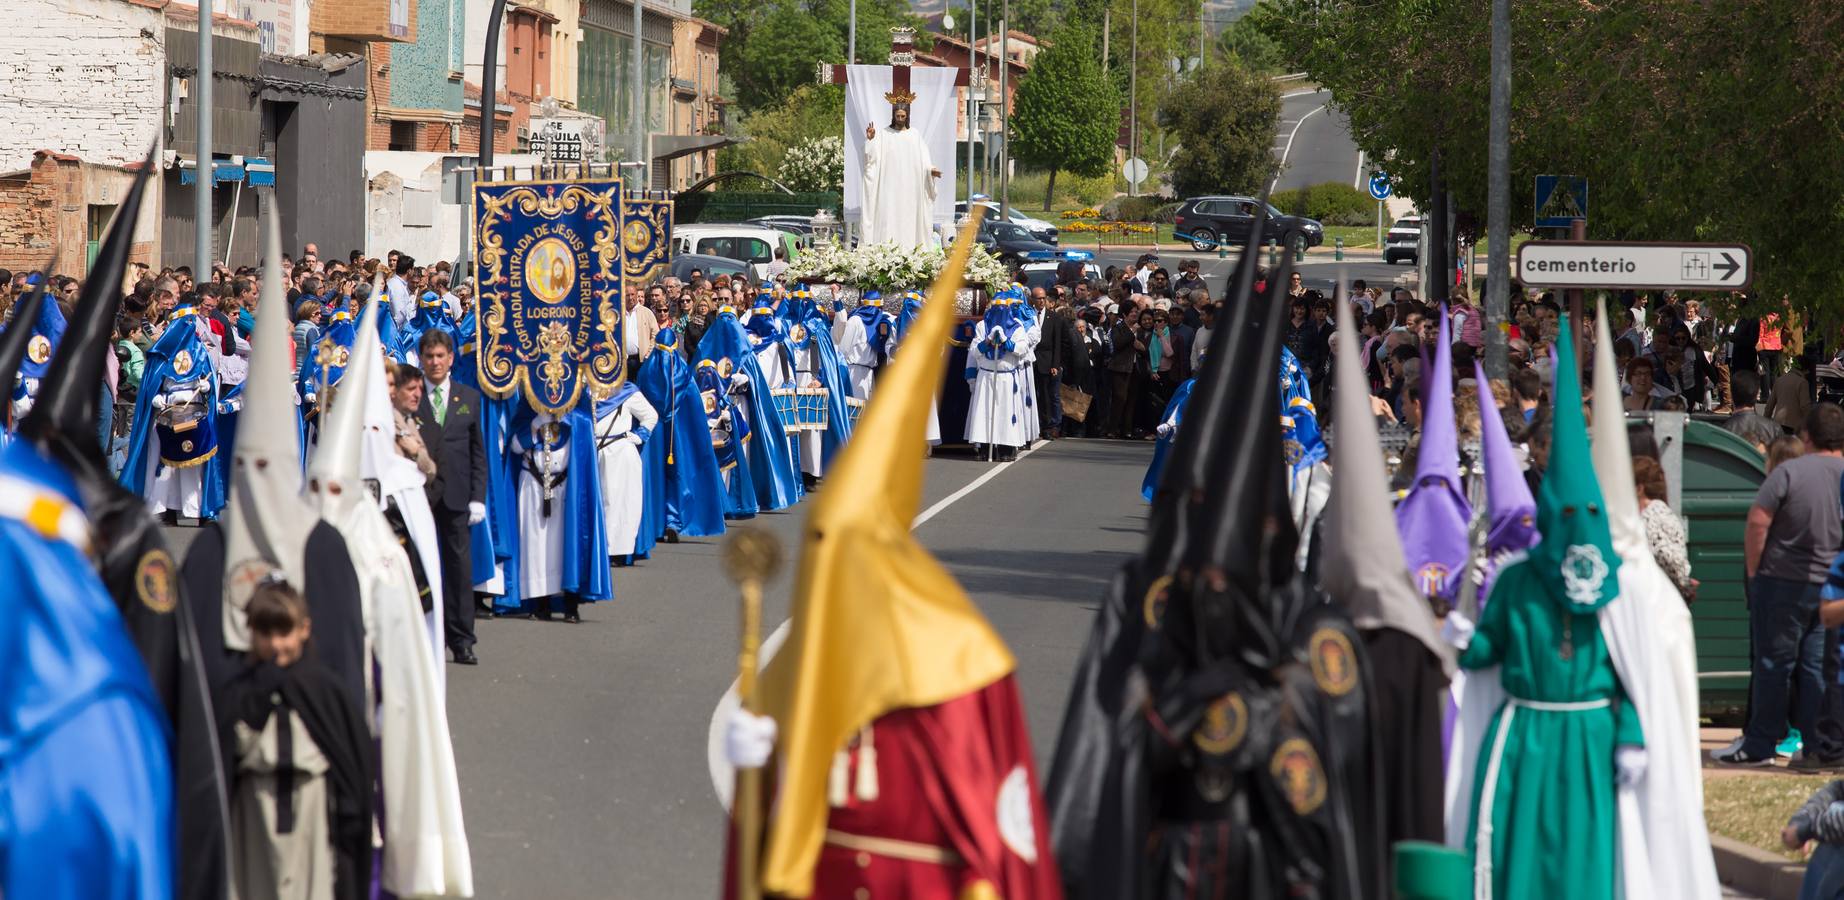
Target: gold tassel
836	781
867	766
979	890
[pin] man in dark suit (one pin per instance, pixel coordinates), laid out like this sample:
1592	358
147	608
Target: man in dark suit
450	422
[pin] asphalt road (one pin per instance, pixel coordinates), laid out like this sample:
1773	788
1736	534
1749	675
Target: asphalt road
582	748
1313	142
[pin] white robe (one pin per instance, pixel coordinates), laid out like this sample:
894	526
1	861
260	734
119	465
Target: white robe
860	357
425	841
997	413
624	484
181	490
898	190
540	536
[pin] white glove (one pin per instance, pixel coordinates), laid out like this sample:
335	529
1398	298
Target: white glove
1164	429
1629	764
476	513
309	397
749	739
740	380
1457	630
160	402
632	438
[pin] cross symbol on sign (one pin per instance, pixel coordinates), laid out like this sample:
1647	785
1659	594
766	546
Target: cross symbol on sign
1696	266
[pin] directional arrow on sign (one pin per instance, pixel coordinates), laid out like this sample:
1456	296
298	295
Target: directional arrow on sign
1727	267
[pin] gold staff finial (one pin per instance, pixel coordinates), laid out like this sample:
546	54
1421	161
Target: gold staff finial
751	554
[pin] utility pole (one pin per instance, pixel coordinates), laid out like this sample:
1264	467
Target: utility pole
207	183
851	34
976	83
1440	241
1133	98
1106	26
640	104
1005	110
1498	200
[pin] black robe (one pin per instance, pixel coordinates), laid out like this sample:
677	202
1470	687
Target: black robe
1409	700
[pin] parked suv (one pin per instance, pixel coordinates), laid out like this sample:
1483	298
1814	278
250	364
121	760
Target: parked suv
1208	222
1403	241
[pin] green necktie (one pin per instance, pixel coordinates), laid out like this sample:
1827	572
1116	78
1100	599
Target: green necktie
441	407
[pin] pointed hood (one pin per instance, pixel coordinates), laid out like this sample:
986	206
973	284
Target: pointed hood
265	530
1433	520
1511	511
379	460
878	623
67	397
1613	458
334	474
1363	566
13	344
1575	559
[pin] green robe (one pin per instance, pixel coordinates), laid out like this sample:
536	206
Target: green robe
1554	817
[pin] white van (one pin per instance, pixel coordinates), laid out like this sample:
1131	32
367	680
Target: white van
750	244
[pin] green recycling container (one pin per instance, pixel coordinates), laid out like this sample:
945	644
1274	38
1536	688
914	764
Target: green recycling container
1721	474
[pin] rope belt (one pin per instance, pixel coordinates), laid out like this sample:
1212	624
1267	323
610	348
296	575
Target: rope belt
1482	840
892	848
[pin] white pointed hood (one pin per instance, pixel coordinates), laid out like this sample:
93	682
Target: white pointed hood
1613	458
265	529
1363	568
1664	841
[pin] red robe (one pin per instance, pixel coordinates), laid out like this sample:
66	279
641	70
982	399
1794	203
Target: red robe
946	774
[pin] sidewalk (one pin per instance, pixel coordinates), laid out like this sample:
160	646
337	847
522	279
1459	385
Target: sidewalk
1746	807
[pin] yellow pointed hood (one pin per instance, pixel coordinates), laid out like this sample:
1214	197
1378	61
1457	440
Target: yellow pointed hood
878	624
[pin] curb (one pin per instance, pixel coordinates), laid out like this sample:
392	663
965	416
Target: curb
1756	871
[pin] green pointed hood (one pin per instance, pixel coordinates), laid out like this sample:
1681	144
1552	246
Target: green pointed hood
1576	558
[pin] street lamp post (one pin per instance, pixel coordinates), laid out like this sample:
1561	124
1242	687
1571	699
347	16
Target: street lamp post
1498	200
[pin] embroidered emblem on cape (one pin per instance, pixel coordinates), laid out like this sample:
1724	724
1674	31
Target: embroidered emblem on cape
39	349
1334	665
182	363
1292	451
241	580
1295	769
1153	607
153	581
1226	723
1017	827
1432	578
1583	571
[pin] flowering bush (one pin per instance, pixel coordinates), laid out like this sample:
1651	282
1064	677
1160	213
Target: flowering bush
1087	212
889	267
815	166
1109	228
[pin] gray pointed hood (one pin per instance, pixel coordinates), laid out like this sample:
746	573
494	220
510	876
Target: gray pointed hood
1363	568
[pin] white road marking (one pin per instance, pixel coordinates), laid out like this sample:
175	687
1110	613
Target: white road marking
723	777
1289	149
1303	93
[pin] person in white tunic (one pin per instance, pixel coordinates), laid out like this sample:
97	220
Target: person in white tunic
899	180
623	422
563	538
425	842
864	343
998	411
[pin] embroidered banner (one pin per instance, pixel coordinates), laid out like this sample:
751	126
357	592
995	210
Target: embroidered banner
550	281
646	239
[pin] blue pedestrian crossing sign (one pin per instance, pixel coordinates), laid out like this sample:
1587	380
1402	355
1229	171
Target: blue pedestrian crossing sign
1379	186
1561	199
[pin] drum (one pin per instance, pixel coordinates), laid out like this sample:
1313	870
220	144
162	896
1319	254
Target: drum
186	435
813	408
787	402
854	408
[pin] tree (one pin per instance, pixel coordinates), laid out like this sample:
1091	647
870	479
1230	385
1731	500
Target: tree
1223	118
773	45
1245	41
1065	113
780	56
808	113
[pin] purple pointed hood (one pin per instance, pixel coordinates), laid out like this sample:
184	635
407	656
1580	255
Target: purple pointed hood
1434	517
1511	510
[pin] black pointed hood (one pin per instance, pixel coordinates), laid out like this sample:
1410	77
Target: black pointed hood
1218	380
67	397
13	342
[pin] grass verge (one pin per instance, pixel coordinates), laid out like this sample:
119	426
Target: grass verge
1752	808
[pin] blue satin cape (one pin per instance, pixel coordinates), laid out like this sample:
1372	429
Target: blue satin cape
585	539
651	516
1174	412
87	781
770	461
179	335
684	483
740	493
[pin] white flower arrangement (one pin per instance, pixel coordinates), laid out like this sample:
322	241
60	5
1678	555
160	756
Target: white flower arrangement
817	166
889	267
